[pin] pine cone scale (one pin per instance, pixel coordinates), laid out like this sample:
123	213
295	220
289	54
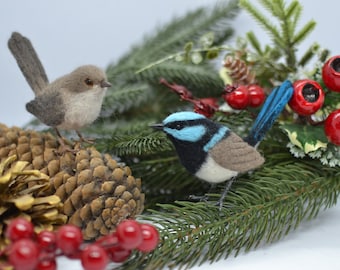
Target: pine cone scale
94	191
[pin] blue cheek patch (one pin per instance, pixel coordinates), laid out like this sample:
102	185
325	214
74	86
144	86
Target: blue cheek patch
190	134
216	138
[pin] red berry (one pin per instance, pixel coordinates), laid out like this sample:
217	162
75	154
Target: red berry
23	255
68	239
47	264
19	228
114	250
308	97
129	234
118	254
332	127
94	257
256	95
150	238
47	241
237	97
331	73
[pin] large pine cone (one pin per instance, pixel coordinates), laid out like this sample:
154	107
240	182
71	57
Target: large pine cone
97	193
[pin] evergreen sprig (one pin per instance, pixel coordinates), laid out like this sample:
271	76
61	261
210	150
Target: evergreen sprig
285	36
279	60
261	207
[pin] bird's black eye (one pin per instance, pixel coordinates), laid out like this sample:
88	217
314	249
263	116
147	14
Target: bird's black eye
176	125
89	82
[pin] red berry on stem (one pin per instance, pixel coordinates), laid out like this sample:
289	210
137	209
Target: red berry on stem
332	127
150	238
256	95
237	97
23	254
47	241
69	238
308	97
331	73
19	228
94	257
129	234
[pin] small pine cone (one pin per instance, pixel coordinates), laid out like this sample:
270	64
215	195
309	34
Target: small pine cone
239	71
96	192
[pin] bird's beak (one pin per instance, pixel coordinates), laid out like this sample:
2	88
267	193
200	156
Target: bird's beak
105	84
159	126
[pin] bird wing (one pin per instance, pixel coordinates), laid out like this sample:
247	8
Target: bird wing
235	154
48	108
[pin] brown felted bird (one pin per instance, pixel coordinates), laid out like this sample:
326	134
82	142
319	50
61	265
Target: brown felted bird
71	101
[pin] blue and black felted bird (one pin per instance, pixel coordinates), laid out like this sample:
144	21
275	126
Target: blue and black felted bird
213	152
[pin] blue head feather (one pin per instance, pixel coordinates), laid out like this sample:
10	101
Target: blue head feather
192	127
182	116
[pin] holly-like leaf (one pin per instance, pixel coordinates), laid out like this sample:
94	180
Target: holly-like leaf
223	72
308	138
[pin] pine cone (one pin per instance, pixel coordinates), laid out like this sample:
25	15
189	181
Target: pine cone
96	192
19	196
239	71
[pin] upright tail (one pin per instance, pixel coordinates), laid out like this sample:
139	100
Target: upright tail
271	109
28	62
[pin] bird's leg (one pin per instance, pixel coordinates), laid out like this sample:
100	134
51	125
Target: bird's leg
62	141
202	198
225	191
82	139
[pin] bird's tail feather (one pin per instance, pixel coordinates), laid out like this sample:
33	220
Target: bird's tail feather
28	62
271	109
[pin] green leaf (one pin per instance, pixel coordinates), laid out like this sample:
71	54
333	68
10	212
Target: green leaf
308	138
207	40
212	54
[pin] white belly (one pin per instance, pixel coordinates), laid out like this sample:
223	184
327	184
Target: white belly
211	172
83	109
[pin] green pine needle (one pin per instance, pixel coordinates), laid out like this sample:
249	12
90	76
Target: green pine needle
262	207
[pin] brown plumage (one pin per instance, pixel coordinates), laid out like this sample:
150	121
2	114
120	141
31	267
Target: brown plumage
71	102
241	157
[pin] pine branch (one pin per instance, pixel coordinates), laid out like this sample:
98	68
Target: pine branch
259	17
260	208
142	142
285	37
304	31
123	99
195	77
254	42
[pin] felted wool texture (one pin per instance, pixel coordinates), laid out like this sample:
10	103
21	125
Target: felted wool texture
235	154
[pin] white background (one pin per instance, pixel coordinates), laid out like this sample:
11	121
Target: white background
67	34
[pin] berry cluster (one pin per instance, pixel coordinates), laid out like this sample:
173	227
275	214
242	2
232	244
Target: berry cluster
39	251
308	97
241	96
331	78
